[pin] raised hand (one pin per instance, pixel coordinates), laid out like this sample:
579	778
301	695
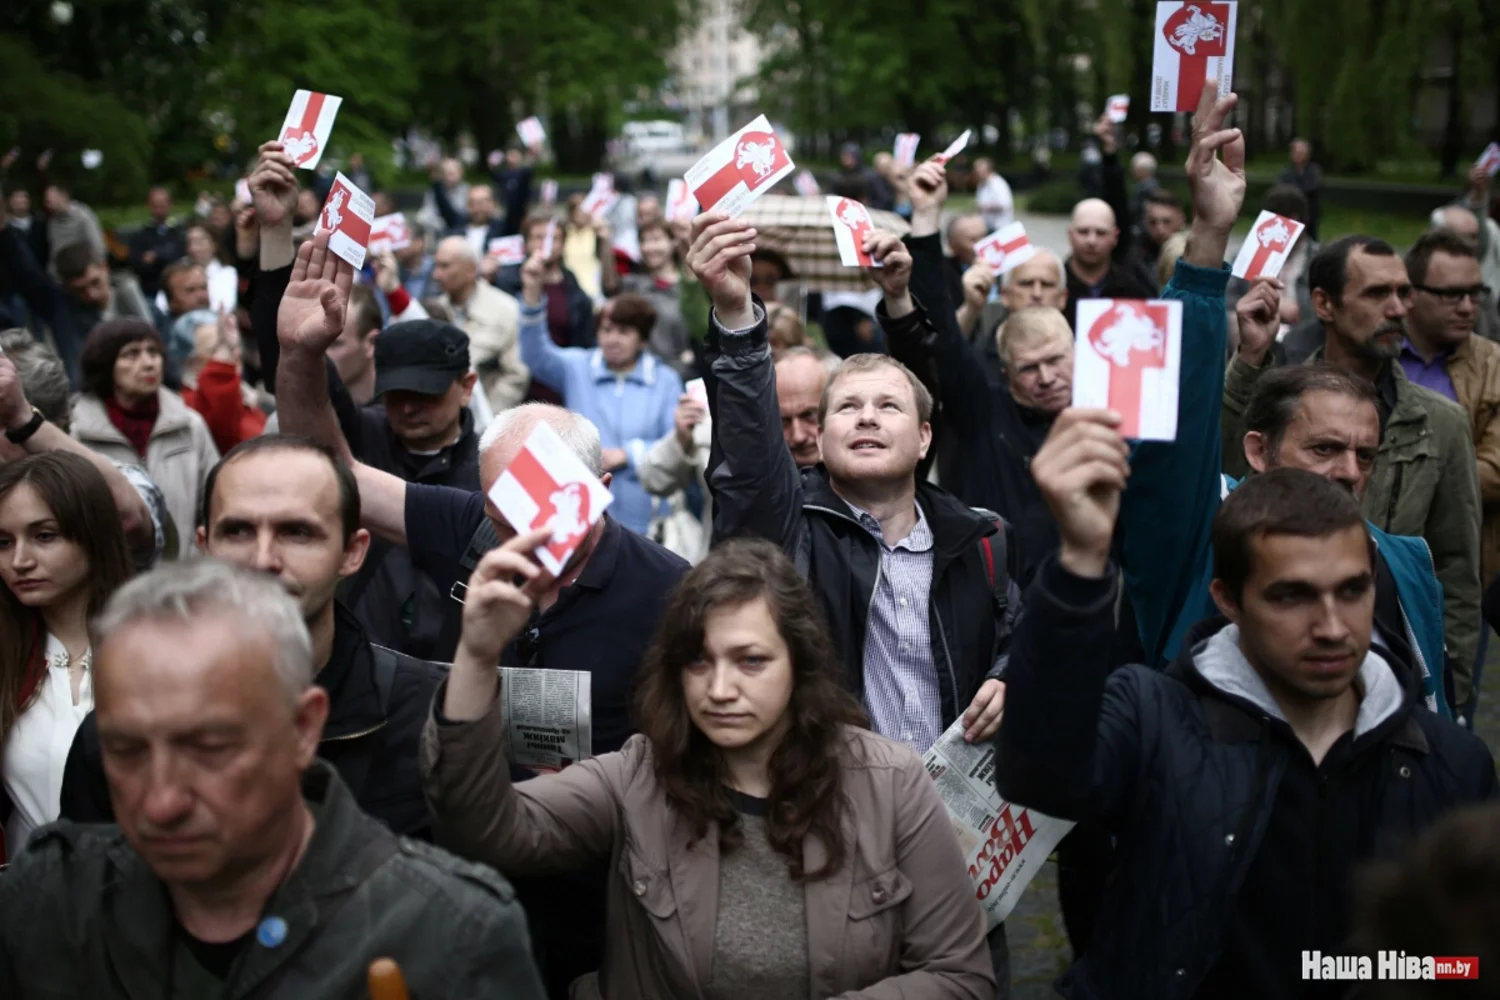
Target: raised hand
977	281
689	415
929	190
502	592
1215	173
533	274
1107	134
312	310
273	186
720	259
894	274
1259	316
387	277
1081	470
15	411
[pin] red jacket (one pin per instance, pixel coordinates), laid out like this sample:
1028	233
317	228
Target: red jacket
219	401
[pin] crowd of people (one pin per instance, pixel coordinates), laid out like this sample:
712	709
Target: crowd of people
256	593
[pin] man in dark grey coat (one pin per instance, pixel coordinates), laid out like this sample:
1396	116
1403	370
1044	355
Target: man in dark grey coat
241	865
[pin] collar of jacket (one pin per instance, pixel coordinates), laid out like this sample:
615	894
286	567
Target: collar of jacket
419	468
138	912
1234	718
1408	411
90	418
954	527
644	372
349	679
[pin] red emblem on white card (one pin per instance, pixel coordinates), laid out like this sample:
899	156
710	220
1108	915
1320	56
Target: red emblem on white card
1127	358
601	197
309	121
531	132
1267	246
740	169
389	233
851	224
954	148
681	205
906	149
1118	108
547	486
507	250
1006	248
348	216
1194	41
1490	159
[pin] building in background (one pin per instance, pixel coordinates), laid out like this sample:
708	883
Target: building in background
715	67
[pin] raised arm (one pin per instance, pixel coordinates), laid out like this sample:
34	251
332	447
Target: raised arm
547	361
42	295
757	488
1175	487
551	823
310	318
1113	173
273	189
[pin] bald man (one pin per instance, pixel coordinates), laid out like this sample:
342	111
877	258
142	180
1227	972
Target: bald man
490	317
1097	269
483	225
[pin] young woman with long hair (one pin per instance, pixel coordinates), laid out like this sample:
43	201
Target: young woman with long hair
62	553
762	844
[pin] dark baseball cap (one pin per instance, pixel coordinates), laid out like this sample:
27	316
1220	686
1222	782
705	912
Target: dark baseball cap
420	355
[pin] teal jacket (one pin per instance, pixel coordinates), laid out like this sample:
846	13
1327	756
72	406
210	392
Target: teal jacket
1167	513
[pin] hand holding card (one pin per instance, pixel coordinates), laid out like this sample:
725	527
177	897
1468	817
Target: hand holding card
1005	249
1268	246
348	216
547	486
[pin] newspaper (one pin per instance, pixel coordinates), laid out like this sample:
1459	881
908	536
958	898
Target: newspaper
1003	844
547	716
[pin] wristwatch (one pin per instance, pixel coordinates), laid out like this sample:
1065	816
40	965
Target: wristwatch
18	435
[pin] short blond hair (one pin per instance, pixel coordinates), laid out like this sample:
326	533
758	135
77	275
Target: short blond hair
1025	326
860	364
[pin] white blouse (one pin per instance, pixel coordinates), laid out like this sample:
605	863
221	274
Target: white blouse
37	748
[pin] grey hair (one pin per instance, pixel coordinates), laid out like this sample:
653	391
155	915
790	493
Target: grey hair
1062	274
577	431
195	590
462	247
43	379
827	359
1143	160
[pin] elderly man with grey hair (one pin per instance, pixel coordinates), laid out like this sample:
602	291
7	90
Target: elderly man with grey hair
1483	234
240	863
599	615
490	317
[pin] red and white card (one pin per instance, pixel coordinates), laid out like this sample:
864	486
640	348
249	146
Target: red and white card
1490	159
1267	247
851	224
531	132
389	233
1194	41
806	184
548	238
1118	108
547	486
681	205
740	169
507	250
548	193
348	215
954	148
601	197
697	391
309	121
242	192
1006	248
906	149
1128	358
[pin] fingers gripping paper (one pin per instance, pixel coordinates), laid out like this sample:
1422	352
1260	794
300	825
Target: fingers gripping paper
1127	358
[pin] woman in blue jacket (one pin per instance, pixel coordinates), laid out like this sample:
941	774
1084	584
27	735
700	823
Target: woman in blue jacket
629	393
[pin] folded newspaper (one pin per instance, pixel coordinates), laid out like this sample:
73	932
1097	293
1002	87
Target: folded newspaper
1003	844
547	716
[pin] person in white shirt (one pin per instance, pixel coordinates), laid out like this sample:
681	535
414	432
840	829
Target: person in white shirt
62	553
992	194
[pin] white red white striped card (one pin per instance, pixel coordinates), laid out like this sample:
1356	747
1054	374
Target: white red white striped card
1118	108
547	486
1267	247
1006	248
507	249
906	149
309	121
601	196
806	184
681	205
851	224
531	132
1128	358
740	169
389	233
347	216
954	148
1194	41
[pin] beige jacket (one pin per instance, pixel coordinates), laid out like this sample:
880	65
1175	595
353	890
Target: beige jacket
665	471
178	456
1474	368
492	319
898	921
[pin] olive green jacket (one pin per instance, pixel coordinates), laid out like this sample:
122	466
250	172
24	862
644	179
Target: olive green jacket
82	915
1425	484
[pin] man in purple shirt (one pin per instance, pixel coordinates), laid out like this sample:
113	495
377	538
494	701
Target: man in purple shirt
1447	293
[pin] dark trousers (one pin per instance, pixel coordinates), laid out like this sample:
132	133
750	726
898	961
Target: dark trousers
1085	859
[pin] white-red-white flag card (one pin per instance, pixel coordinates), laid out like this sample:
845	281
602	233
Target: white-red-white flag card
309	121
851	224
547	486
1006	248
1194	43
740	169
389	233
1118	108
1128	358
348	215
507	250
955	147
906	149
1267	246
681	205
531	132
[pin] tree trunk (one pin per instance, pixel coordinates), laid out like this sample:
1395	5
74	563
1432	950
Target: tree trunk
1453	129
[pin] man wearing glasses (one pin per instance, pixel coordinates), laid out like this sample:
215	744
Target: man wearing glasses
1425	481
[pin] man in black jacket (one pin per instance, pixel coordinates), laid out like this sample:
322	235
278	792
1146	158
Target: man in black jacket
286	506
1247	781
157	243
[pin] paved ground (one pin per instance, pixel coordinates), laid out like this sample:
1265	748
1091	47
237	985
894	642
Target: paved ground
1039	949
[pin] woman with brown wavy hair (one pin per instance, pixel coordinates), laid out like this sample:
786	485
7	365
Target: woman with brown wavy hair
762	843
62	553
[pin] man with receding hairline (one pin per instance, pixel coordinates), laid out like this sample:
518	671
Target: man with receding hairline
490	317
800	380
241	864
1094	270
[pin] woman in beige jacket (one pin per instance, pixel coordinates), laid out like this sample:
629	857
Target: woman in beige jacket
762	844
125	414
